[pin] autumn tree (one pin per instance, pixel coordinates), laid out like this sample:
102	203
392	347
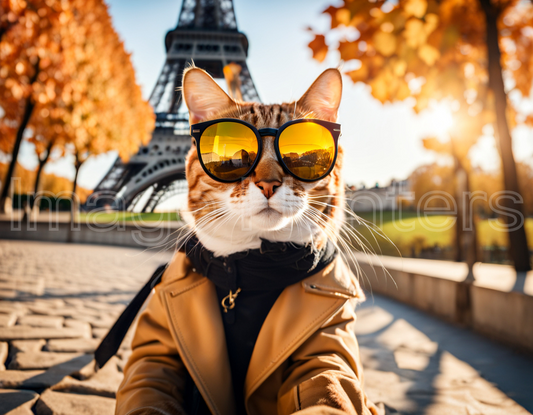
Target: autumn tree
80	95
29	55
456	50
105	109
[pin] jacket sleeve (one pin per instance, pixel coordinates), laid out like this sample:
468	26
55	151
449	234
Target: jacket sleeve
326	370
154	377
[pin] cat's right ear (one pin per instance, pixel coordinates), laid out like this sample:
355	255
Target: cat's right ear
324	96
203	96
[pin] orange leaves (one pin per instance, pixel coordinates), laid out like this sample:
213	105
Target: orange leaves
349	50
433	144
86	95
343	16
359	75
319	47
385	43
433	50
415	8
386	86
428	54
441	43
417	31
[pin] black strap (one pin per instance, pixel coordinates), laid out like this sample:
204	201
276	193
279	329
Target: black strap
112	341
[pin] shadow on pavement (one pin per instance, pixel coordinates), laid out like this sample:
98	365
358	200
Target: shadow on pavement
419	364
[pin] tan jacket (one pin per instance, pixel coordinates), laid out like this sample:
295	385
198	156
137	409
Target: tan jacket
306	353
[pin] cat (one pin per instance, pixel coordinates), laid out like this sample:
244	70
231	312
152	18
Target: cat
255	312
233	217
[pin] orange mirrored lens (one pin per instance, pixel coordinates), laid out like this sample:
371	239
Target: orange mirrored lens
228	150
307	149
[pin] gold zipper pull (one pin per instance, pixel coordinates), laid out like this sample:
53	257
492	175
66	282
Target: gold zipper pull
231	299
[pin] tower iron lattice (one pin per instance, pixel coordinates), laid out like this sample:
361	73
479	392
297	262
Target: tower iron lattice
207	35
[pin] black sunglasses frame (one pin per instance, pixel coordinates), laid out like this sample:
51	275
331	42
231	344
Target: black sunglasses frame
198	129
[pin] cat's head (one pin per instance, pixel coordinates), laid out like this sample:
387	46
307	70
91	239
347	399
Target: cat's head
269	203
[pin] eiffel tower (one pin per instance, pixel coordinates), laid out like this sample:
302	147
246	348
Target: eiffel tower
207	35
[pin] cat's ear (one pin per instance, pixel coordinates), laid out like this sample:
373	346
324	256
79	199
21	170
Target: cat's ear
203	96
324	96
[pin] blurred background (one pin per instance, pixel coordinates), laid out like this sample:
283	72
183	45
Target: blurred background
436	111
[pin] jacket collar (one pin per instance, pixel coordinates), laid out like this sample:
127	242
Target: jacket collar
196	325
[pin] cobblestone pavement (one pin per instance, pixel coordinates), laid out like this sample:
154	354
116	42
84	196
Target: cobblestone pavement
58	300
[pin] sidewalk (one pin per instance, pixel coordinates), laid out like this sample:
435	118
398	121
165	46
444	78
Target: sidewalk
58	300
418	364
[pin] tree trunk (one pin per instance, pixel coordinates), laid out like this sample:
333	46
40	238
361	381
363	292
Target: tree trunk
42	163
469	237
465	226
472	249
518	247
28	110
459	225
74	206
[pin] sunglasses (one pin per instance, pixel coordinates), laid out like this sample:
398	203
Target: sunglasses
230	149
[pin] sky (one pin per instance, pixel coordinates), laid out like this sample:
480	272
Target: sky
381	142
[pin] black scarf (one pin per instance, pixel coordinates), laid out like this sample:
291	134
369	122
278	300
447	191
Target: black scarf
274	266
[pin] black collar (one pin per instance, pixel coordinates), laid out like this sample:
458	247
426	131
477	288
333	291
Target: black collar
274	266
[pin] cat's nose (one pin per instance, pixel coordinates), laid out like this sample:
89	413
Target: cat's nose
268	187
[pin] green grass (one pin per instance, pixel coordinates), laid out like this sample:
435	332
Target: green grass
106	217
406	233
411	232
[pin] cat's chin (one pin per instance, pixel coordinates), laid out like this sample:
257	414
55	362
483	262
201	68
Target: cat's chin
269	220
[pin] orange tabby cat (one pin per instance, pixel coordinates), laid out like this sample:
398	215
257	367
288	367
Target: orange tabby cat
255	314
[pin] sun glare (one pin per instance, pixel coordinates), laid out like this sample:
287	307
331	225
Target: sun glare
441	116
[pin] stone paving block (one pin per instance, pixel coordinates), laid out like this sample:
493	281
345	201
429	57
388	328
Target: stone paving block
41	379
7	320
8	307
4	348
104	306
97	322
408	359
22	379
78	324
27	345
30	333
50	310
89	311
58	403
105	382
49	302
41	321
8	293
17	402
73	345
85	372
39	360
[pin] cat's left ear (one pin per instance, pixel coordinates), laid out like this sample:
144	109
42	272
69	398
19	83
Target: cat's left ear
324	96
